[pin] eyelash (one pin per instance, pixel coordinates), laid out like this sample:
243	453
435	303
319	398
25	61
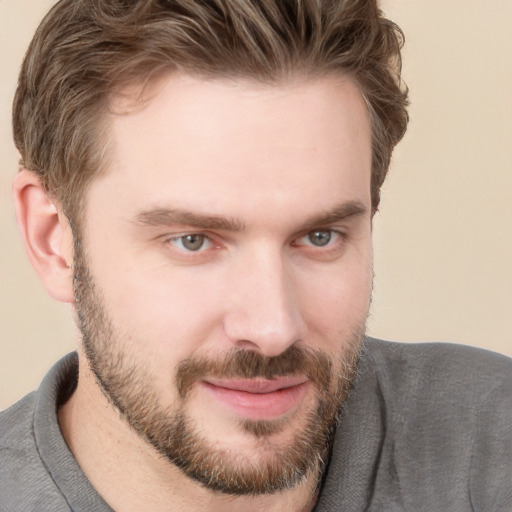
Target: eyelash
179	239
339	237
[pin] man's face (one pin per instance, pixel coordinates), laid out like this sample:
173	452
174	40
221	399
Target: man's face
223	273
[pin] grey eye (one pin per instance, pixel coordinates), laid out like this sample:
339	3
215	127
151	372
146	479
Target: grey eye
193	242
319	238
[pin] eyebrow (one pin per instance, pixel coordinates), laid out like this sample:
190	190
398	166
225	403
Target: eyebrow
342	212
167	217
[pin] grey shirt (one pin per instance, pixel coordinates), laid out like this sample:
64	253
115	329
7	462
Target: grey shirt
427	427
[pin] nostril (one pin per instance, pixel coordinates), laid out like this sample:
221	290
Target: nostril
246	344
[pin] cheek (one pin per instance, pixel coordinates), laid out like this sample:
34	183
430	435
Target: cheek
162	313
336	303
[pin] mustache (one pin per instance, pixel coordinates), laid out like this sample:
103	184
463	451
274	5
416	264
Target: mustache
248	364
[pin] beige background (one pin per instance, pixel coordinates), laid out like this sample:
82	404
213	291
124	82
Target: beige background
443	238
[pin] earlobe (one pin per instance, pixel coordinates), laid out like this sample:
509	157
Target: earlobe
46	235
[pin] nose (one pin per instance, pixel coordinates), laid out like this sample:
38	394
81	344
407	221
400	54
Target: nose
263	312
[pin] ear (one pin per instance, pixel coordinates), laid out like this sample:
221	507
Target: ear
46	235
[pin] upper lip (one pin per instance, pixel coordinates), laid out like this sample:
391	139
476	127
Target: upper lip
258	385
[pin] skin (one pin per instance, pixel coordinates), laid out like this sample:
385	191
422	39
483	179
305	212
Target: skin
274	161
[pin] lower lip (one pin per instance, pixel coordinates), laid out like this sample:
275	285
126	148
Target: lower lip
259	406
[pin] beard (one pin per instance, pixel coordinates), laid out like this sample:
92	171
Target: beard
177	437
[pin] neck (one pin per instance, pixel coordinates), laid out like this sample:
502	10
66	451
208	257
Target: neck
131	475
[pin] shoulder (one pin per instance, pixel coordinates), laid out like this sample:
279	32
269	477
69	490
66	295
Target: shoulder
26	483
21	465
16	420
451	407
16	428
426	427
434	352
445	365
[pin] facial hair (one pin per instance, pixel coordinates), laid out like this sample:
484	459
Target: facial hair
174	434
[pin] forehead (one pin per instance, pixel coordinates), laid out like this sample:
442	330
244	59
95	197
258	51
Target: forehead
209	144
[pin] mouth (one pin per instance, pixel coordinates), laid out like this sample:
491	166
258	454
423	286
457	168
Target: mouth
258	399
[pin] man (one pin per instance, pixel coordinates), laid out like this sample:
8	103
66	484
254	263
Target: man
199	180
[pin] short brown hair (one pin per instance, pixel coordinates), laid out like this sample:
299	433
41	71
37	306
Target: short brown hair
84	50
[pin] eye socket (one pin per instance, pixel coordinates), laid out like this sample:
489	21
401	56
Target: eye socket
193	242
320	238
